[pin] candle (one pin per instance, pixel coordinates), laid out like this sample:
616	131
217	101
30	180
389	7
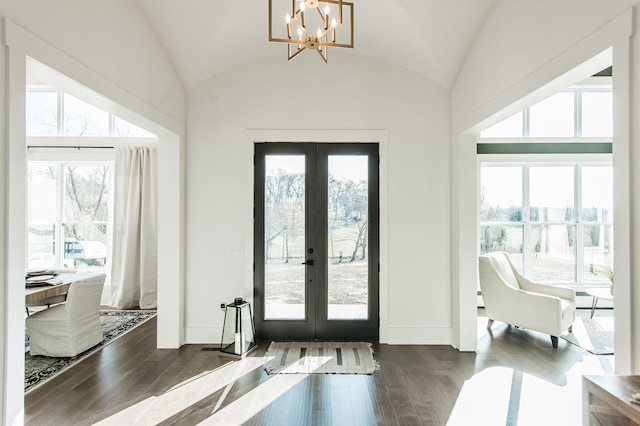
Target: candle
326	16
333	31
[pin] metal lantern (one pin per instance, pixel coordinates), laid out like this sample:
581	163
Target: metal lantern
238	334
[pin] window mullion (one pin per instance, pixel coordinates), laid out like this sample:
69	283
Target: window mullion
577	113
59	237
577	217
527	262
60	123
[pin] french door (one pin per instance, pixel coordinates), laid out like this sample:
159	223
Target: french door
316	241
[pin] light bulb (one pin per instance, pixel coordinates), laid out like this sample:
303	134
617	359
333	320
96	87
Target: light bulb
303	6
287	19
333	22
300	33
319	33
327	9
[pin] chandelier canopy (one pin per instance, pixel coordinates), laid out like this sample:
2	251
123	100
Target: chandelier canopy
312	24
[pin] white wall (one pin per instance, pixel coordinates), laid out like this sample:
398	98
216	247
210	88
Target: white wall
518	39
525	46
106	47
110	38
307	94
635	189
3	224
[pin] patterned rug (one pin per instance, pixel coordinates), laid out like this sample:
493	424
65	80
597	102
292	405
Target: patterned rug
320	358
39	369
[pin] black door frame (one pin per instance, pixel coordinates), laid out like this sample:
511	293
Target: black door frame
315	325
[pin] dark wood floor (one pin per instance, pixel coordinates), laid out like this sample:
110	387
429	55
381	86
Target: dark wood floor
514	378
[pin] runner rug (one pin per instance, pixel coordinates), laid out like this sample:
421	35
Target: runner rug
39	369
320	358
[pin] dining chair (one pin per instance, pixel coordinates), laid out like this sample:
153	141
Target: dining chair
70	328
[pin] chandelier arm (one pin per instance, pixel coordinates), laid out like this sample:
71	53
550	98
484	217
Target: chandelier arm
287	40
304	29
324	58
330	44
298	52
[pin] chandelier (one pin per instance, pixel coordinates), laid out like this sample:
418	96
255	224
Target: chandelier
314	25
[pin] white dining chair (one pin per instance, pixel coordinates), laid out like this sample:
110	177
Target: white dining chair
70	328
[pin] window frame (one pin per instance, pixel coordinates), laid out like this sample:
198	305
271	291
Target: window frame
593	85
77	158
577	161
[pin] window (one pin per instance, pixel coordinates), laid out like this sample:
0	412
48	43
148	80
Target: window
554	219
582	111
70	194
51	112
554	216
69	214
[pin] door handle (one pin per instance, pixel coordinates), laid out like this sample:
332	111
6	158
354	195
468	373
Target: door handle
309	262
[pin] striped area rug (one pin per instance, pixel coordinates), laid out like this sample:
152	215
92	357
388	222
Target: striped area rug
320	358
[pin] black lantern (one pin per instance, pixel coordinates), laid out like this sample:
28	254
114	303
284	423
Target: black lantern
238	334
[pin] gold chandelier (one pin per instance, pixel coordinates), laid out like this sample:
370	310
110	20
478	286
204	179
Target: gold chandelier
315	24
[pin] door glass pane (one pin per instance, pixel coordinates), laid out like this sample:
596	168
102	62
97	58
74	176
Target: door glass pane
348	213
42	211
86	214
284	237
598	253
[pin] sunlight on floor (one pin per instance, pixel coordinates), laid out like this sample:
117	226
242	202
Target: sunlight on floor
156	409
502	395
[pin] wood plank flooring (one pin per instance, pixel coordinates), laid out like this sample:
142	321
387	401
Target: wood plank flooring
514	378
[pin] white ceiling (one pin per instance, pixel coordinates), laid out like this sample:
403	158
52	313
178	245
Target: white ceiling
205	37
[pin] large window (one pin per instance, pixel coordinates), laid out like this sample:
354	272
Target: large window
580	112
69	214
70	185
552	215
51	112
554	219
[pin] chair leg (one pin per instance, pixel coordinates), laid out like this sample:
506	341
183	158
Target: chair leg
593	305
571	328
554	342
489	324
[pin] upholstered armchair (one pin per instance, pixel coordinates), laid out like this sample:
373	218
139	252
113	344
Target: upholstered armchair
71	328
511	298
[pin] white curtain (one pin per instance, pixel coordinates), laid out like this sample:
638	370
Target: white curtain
135	259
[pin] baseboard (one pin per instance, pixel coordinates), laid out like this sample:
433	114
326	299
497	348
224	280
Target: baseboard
203	335
416	335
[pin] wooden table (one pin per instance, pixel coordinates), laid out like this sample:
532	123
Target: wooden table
605	400
35	294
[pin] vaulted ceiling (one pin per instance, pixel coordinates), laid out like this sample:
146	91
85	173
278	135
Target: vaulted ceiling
205	37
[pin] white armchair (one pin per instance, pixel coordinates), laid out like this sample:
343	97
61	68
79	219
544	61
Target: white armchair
71	328
511	298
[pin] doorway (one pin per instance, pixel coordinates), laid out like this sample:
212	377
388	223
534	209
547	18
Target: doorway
316	233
